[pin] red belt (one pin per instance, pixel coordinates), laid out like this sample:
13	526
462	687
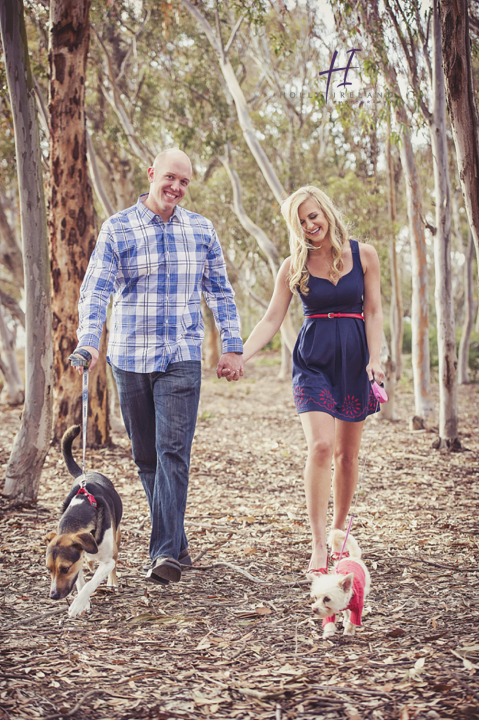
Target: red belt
338	315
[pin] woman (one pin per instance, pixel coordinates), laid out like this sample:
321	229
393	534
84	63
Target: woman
335	358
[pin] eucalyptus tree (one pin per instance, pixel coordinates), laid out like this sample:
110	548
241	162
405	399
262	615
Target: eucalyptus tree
374	23
462	102
72	223
33	438
425	66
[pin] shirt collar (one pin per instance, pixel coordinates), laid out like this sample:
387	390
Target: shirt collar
148	215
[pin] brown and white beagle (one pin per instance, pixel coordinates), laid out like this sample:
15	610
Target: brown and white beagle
89	527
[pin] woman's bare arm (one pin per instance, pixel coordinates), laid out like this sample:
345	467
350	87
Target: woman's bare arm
269	325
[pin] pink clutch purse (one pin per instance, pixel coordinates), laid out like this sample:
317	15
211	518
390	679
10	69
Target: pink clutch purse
379	392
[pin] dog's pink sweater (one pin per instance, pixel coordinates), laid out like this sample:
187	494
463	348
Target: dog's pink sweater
356	604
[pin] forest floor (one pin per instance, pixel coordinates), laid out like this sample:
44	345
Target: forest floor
223	644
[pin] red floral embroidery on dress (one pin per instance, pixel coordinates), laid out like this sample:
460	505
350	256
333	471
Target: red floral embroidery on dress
351	406
299	399
327	400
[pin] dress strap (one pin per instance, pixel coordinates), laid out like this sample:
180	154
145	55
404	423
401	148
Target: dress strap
356	255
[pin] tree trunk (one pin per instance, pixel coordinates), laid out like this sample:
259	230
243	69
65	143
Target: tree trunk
13	391
396	309
463	363
387	409
446	340
420	300
71	215
33	438
461	103
100	191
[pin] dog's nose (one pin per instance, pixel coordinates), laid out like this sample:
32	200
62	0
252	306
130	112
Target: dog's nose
54	595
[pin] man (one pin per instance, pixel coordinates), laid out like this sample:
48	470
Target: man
156	258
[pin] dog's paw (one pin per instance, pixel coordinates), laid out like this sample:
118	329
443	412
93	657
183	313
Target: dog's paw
329	630
78	607
349	629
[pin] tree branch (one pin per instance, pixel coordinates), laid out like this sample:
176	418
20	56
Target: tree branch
233	36
13	307
205	25
145	154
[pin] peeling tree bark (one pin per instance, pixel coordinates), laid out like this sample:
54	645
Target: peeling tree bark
71	215
462	103
33	439
446	339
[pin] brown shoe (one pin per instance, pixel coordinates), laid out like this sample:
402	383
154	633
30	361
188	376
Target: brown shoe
165	568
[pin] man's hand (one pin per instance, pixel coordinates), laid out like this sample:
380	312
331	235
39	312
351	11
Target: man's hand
230	366
94	358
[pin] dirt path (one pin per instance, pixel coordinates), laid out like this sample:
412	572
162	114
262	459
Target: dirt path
222	645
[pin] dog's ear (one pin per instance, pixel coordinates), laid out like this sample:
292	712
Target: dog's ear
48	538
86	543
346	583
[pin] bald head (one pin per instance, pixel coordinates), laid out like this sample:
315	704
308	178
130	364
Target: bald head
172	154
169	178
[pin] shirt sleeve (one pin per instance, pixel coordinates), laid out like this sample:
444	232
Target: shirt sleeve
96	288
219	297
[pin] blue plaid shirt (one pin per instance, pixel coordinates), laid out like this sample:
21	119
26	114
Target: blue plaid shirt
156	272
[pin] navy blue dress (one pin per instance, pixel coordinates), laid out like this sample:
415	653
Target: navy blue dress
331	354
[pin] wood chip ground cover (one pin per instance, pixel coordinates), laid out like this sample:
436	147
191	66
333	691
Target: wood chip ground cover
236	638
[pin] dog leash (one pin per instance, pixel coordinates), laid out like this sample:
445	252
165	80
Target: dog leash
82	358
381	397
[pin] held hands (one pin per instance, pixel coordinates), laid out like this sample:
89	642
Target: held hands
230	366
375	372
94	358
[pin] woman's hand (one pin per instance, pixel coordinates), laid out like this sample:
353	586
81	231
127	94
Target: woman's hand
375	372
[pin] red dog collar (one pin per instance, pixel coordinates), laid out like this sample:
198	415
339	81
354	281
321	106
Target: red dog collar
90	497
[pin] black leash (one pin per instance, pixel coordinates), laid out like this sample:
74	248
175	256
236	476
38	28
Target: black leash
82	358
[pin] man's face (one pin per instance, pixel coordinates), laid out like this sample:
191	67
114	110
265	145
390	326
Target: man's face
169	179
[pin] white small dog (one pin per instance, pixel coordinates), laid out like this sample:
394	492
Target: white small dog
344	589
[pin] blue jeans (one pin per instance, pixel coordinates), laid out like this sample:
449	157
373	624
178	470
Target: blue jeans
159	411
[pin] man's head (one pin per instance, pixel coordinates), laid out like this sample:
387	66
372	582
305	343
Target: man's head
169	177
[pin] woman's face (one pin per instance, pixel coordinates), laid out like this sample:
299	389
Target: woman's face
313	221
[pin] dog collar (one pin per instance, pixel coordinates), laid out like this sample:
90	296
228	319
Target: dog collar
90	497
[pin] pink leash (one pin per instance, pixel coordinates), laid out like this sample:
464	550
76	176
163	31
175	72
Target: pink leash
381	397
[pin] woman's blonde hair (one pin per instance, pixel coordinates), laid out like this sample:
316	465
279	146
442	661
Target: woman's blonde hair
298	243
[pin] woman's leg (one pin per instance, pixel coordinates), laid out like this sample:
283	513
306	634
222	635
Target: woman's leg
346	452
319	431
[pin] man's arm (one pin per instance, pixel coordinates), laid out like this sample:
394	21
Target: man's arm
219	298
95	292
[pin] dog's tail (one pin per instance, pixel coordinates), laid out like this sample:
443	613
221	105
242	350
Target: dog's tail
67	440
336	542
